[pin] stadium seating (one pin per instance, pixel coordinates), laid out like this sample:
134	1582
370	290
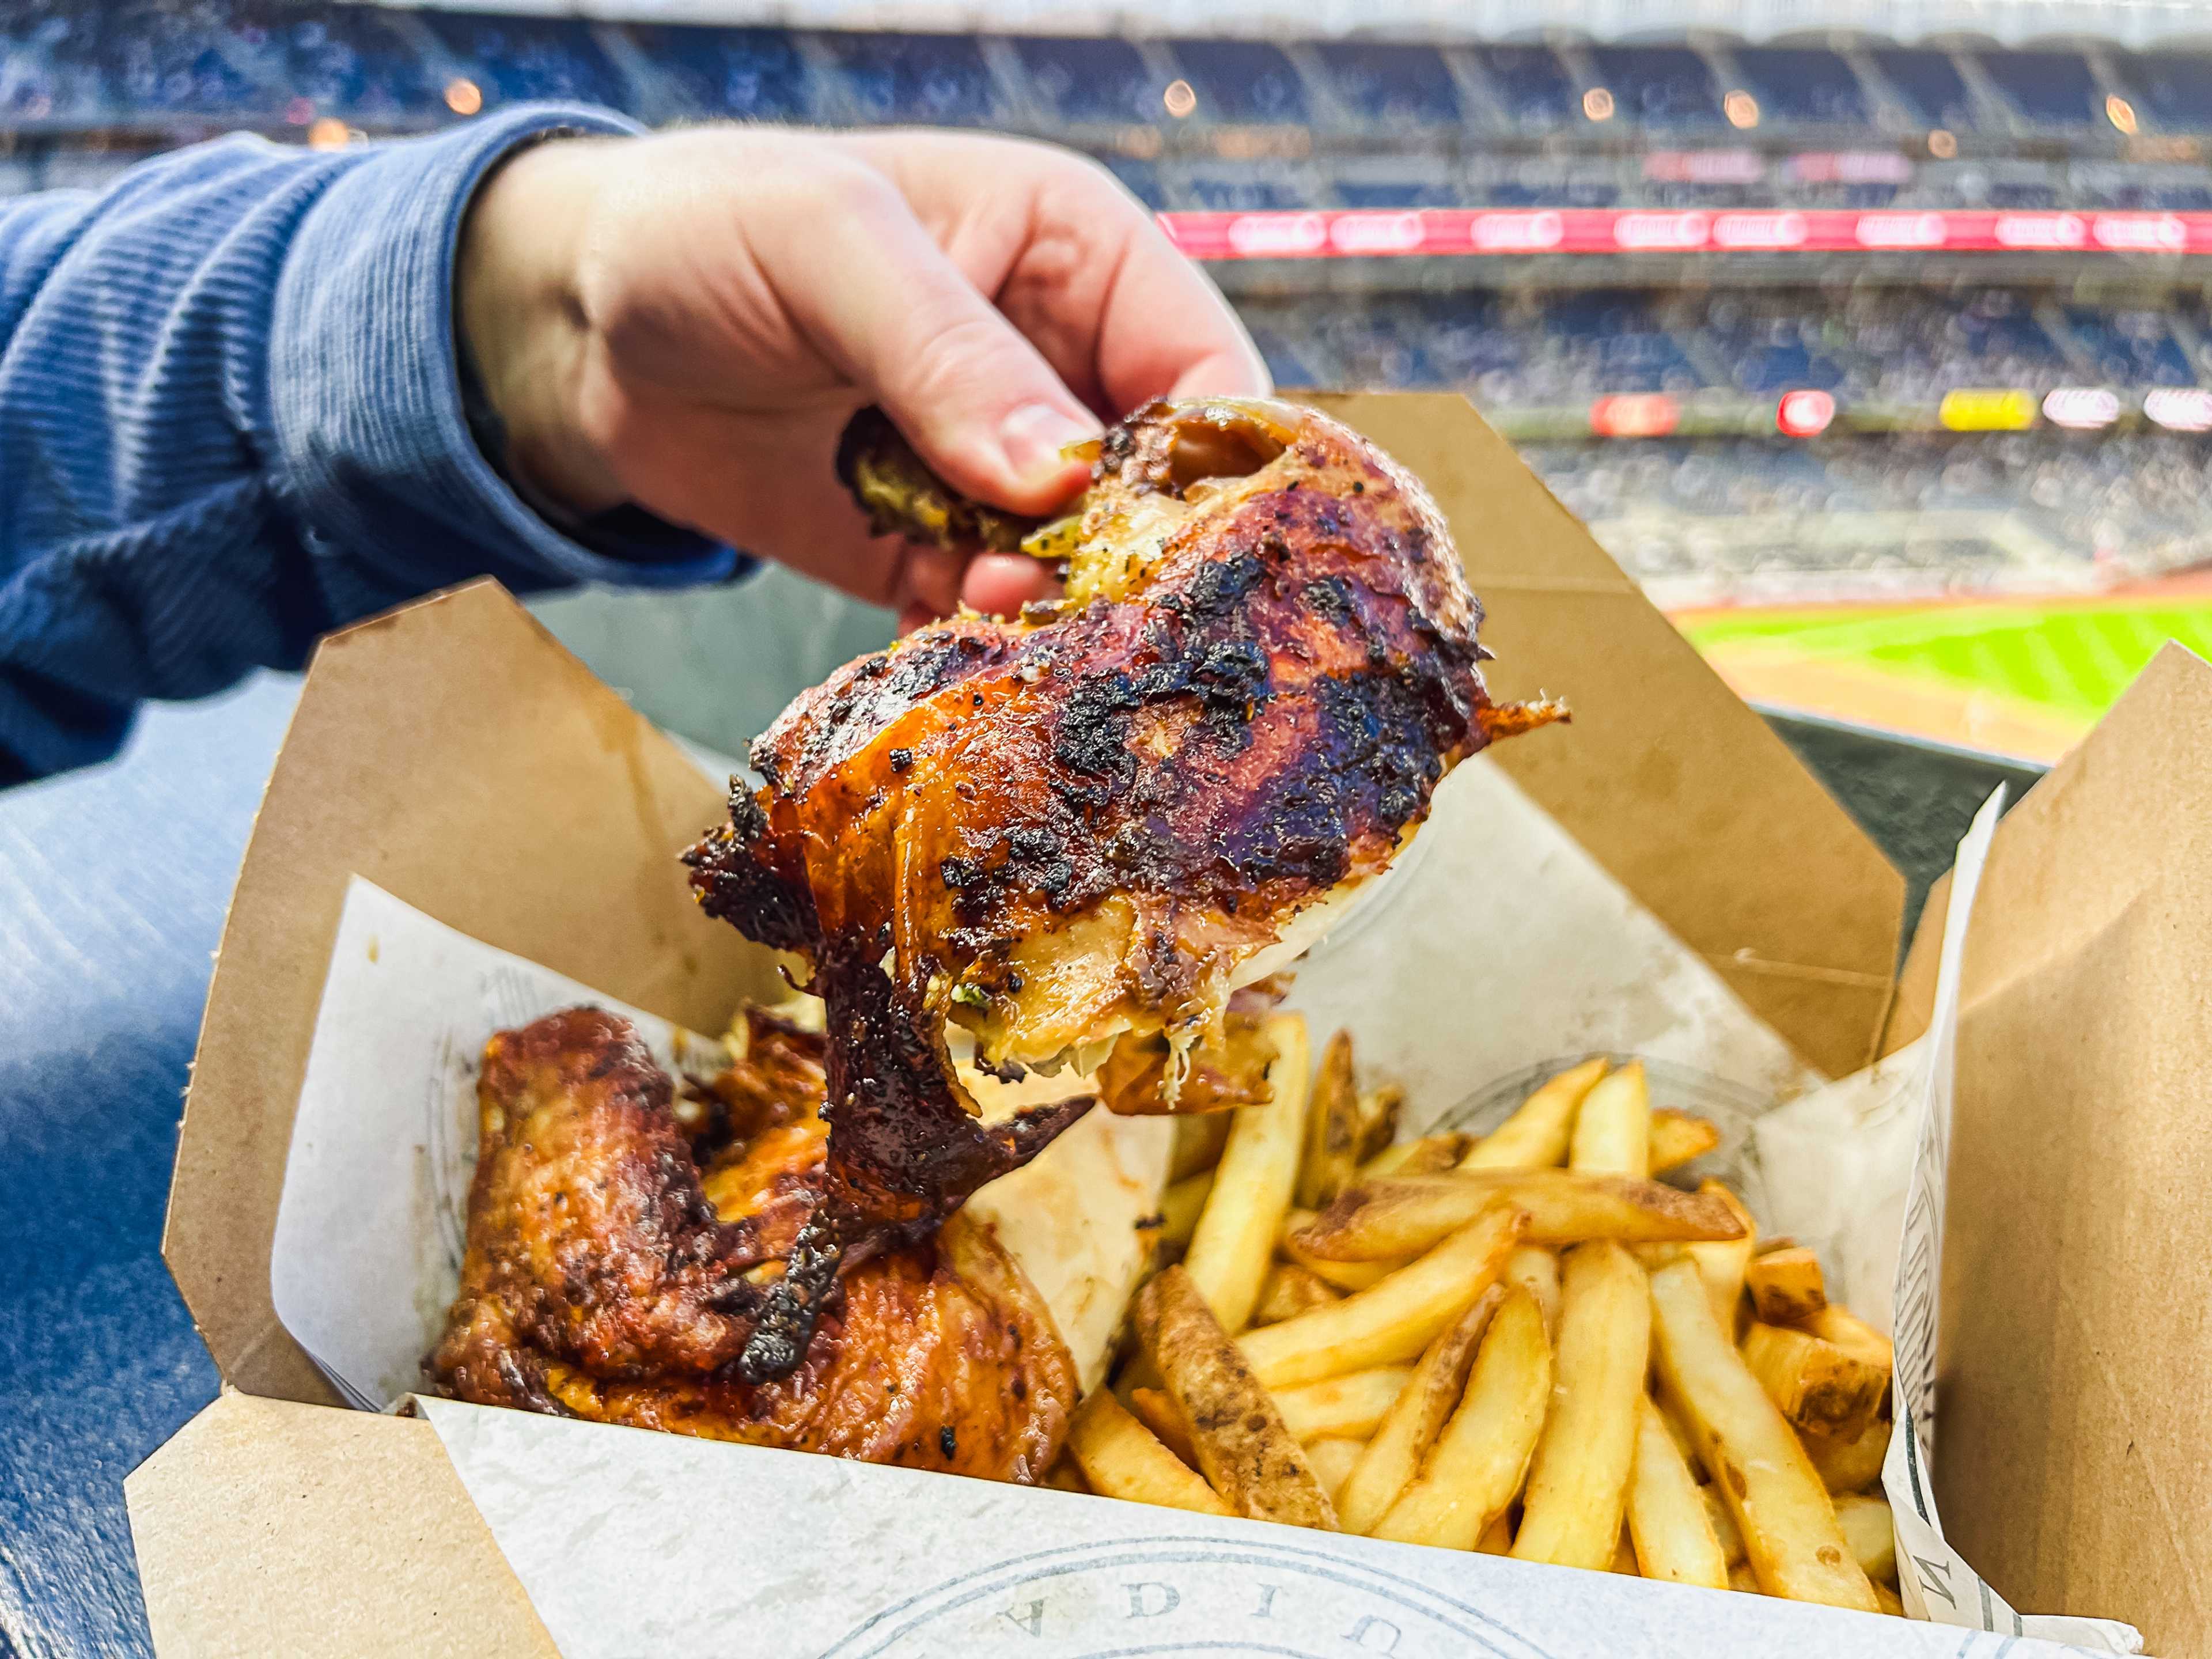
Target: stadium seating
2049	88
1393	86
1668	87
753	74
136	62
353	63
1805	84
2175	87
939	79
1928	82
514	58
1083	80
1534	88
1242	81
1890	345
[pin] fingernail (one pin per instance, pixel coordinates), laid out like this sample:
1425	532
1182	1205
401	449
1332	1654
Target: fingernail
1034	435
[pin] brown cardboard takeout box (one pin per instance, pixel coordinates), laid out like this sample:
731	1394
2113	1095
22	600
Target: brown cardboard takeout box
455	754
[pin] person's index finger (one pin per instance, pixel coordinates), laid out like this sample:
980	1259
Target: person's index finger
1165	330
1222	376
869	287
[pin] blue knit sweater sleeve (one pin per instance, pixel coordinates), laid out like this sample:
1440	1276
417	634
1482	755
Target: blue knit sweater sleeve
231	419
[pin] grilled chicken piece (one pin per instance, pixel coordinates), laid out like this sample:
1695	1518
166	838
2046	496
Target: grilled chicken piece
1227	1067
1097	821
607	1277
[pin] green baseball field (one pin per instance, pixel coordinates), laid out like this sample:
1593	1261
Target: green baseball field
2025	679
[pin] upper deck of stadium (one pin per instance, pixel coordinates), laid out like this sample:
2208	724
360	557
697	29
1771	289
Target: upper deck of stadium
137	63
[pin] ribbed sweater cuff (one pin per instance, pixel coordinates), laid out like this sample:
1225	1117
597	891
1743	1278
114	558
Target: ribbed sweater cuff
365	384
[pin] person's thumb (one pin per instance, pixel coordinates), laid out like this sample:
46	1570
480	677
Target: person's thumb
876	296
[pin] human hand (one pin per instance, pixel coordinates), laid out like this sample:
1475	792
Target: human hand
687	321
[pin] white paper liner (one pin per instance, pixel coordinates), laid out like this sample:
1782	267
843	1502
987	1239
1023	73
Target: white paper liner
634	1544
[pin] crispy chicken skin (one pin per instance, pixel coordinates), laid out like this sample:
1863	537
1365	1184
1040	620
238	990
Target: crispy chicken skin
607	1276
1096	820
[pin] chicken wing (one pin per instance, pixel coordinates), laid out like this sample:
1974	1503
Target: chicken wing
1097	821
622	1244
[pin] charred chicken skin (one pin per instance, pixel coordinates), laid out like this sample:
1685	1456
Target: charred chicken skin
1095	822
622	1242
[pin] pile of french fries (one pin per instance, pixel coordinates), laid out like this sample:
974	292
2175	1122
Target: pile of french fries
1522	1345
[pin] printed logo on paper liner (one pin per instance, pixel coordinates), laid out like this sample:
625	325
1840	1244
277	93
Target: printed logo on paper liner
1183	1596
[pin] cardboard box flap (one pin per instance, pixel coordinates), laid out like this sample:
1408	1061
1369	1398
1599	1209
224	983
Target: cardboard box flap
2072	1435
1666	777
454	724
272	1528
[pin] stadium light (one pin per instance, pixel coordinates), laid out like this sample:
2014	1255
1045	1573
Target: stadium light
1634	415
2121	114
1741	108
1180	99
2081	407
463	97
1943	144
1597	104
2180	408
329	133
1804	413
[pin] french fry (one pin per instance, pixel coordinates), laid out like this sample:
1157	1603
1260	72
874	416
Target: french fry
1340	1275
1678	1138
1536	1270
1722	1262
1119	1457
1289	1290
1349	1407
1198	1138
1477	1465
1673	1422
1886	1601
1612	1132
1395	1318
1537	1135
1423	1157
1181	1204
1235	1238
1498	1537
1332	1143
1332	1460
1624	1558
1378	1119
1392	1457
1853	1335
1156	1409
1724	1527
1819	1387
1065	1475
1244	1451
1741	1577
1578	1483
1397	1215
1668	1520
1786	1287
1872	1535
1851	1464
1790	1536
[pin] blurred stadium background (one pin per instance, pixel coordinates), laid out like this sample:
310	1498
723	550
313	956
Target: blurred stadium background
1883	358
